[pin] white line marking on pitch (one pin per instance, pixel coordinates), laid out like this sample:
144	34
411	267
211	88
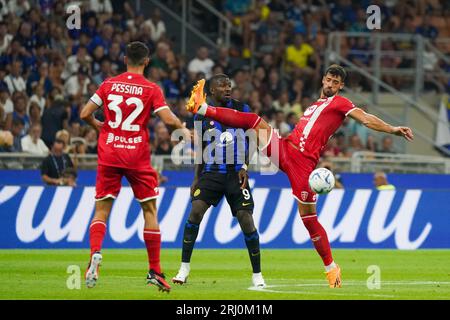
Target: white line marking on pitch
270	288
267	289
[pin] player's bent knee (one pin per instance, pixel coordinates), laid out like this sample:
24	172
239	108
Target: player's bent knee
306	208
149	207
198	210
103	208
196	216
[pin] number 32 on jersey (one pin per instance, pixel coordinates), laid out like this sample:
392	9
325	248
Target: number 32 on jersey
127	124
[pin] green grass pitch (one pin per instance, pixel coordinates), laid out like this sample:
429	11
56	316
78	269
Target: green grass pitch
222	274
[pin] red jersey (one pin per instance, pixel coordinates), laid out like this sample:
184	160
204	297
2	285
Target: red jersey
318	123
128	101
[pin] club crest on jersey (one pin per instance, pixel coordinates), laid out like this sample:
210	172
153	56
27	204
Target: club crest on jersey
304	195
226	138
309	111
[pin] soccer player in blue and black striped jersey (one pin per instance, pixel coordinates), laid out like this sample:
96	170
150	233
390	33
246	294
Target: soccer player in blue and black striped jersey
222	173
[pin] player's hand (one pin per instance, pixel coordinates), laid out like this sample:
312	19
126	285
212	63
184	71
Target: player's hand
187	134
243	178
404	132
98	125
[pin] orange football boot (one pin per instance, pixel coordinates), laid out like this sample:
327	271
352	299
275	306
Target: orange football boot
197	97
334	277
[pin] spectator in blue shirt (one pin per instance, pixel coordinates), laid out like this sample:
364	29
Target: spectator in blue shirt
40	77
90	28
26	37
20	113
343	14
17	52
426	29
171	85
295	18
104	39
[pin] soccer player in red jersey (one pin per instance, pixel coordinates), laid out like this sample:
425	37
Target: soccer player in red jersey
128	100
298	154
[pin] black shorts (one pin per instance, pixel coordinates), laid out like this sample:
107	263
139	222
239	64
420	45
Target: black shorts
213	186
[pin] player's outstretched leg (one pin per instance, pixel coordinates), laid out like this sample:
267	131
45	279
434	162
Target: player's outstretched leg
229	117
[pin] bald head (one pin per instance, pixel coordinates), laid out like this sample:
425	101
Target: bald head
216	79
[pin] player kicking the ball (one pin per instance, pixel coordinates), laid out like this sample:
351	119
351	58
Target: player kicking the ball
123	150
298	154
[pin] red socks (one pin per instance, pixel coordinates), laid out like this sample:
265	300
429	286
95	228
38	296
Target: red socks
97	232
319	237
233	118
152	238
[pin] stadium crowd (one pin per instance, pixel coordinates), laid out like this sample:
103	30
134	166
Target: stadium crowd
48	72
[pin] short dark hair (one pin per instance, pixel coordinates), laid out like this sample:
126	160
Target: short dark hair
337	70
218	77
17	122
136	52
215	79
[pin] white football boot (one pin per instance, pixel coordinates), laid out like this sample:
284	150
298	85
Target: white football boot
182	274
91	275
258	280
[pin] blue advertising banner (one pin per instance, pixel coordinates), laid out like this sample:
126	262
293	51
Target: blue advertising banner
184	178
36	216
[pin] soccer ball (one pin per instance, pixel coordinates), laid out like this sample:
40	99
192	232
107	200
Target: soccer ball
321	181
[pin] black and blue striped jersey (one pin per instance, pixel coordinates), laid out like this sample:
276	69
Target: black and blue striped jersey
225	149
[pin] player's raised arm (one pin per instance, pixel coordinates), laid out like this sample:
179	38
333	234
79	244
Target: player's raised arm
375	123
86	115
171	120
